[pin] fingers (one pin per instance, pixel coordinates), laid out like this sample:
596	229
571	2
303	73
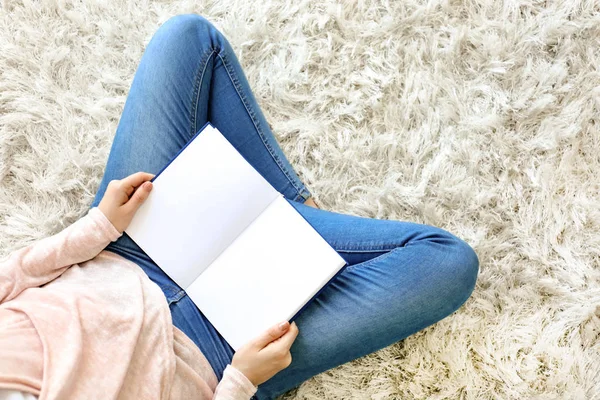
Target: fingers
279	349
138	198
134	180
273	333
138	182
288	338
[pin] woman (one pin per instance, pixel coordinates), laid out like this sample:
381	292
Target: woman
84	313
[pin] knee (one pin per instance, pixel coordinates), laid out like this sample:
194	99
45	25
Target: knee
189	29
463	269
187	23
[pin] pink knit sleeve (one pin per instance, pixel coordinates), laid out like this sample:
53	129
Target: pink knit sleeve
234	386
46	259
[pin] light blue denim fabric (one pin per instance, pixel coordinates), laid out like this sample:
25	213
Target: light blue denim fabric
402	276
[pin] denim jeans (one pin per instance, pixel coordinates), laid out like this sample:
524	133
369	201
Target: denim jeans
401	276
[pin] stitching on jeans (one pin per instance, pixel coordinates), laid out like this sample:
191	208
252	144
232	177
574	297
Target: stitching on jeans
196	95
365	251
176	297
374	248
251	113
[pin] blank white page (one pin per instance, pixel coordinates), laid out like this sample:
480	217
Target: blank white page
199	204
267	274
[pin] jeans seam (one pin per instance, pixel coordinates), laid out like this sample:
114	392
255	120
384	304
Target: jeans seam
196	95
299	190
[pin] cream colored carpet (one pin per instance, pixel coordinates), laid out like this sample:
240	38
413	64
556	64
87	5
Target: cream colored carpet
481	117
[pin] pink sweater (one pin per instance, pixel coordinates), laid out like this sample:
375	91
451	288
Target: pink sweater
78	322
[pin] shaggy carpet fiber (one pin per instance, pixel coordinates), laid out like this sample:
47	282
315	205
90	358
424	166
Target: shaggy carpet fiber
478	116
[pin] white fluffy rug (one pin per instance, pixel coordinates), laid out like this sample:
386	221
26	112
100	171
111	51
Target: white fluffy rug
482	117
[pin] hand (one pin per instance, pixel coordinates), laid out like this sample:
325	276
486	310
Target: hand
120	202
267	354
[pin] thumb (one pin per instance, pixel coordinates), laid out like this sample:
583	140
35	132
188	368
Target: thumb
273	333
139	196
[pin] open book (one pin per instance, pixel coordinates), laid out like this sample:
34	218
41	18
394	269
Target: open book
240	250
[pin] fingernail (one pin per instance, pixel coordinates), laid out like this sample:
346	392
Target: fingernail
283	325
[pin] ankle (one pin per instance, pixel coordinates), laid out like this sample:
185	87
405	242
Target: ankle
311	202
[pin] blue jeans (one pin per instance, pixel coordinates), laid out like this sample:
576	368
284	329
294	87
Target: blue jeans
402	276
